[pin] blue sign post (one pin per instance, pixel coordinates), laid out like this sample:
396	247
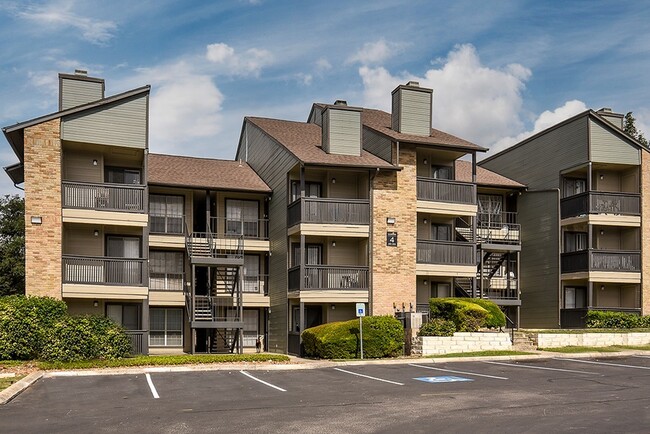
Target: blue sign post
361	312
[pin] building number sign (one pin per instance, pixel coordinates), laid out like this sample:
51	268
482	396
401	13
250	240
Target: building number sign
391	239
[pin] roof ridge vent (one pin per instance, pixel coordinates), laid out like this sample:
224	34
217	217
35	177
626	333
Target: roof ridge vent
413	83
341	102
81	72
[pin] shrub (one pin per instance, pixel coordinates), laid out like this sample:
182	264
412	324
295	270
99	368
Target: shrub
88	337
383	336
615	320
466	315
438	327
496	318
25	323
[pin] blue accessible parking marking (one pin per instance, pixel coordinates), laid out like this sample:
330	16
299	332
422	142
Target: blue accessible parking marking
443	379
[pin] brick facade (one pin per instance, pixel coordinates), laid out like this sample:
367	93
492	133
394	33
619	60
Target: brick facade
43	198
393	268
645	233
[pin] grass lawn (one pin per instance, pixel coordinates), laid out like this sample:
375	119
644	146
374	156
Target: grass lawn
483	353
578	331
6	382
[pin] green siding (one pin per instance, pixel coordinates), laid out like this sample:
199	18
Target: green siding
538	215
342	132
272	162
415	112
607	147
77	92
377	144
538	162
123	123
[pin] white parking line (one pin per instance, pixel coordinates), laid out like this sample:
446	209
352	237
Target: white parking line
541	367
262	381
152	387
619	365
368	376
459	372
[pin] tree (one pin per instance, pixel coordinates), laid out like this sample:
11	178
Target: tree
630	128
12	245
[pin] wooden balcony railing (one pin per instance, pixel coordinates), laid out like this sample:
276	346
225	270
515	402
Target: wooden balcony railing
329	211
326	277
442	190
601	260
104	197
446	252
104	270
596	202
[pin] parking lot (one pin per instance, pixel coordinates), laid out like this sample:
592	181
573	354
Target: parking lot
568	394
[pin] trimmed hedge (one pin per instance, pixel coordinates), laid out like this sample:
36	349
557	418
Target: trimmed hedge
465	314
383	336
496	318
437	327
615	320
25	324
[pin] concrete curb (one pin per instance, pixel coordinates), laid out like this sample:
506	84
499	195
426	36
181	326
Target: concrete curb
15	389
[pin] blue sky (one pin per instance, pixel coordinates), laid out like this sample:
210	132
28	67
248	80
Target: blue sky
500	70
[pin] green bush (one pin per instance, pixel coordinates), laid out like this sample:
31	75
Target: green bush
87	337
465	314
383	336
496	318
437	327
615	320
25	324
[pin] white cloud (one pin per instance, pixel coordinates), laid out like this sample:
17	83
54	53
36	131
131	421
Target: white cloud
250	62
545	120
60	16
322	65
373	52
471	100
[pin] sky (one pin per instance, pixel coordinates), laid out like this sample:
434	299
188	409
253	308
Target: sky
500	70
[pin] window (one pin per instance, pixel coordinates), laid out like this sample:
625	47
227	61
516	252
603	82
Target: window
251	330
166	327
126	315
121	175
119	270
312	189
575	241
572	186
251	273
166	214
166	271
575	297
440	232
242	218
441	172
440	290
490	207
314	254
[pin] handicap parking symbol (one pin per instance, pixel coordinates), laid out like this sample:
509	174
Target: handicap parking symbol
443	379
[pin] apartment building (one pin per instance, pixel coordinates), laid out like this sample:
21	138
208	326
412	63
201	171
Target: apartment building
583	219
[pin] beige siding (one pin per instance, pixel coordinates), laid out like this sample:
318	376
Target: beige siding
78	166
342	132
415	112
607	147
78	92
123	123
377	144
316	116
81	240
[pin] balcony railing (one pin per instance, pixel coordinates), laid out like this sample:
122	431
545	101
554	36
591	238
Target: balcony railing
256	284
104	270
329	211
224	227
442	190
166	224
601	260
501	288
139	341
445	252
103	197
326	277
166	281
499	228
595	202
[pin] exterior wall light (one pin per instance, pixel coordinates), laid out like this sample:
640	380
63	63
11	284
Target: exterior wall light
96	233
333	243
426	282
390	220
95	303
333	180
95	162
425	221
426	161
37	220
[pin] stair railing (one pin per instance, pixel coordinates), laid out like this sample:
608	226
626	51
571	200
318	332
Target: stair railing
512	328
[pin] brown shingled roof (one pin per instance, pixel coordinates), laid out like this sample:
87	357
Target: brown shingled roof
209	173
303	140
380	121
484	176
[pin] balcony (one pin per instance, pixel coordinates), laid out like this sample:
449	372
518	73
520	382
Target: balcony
329	277
446	253
498	228
329	211
104	197
442	190
139	341
601	260
501	288
89	270
595	202
256	284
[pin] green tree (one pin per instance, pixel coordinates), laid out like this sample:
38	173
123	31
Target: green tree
12	245
630	128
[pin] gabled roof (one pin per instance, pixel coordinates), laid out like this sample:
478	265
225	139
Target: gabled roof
304	140
204	173
484	177
380	121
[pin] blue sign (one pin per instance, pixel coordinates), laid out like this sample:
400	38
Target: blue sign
361	309
443	379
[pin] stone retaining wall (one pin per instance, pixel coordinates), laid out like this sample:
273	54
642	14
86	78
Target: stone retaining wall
465	342
554	340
